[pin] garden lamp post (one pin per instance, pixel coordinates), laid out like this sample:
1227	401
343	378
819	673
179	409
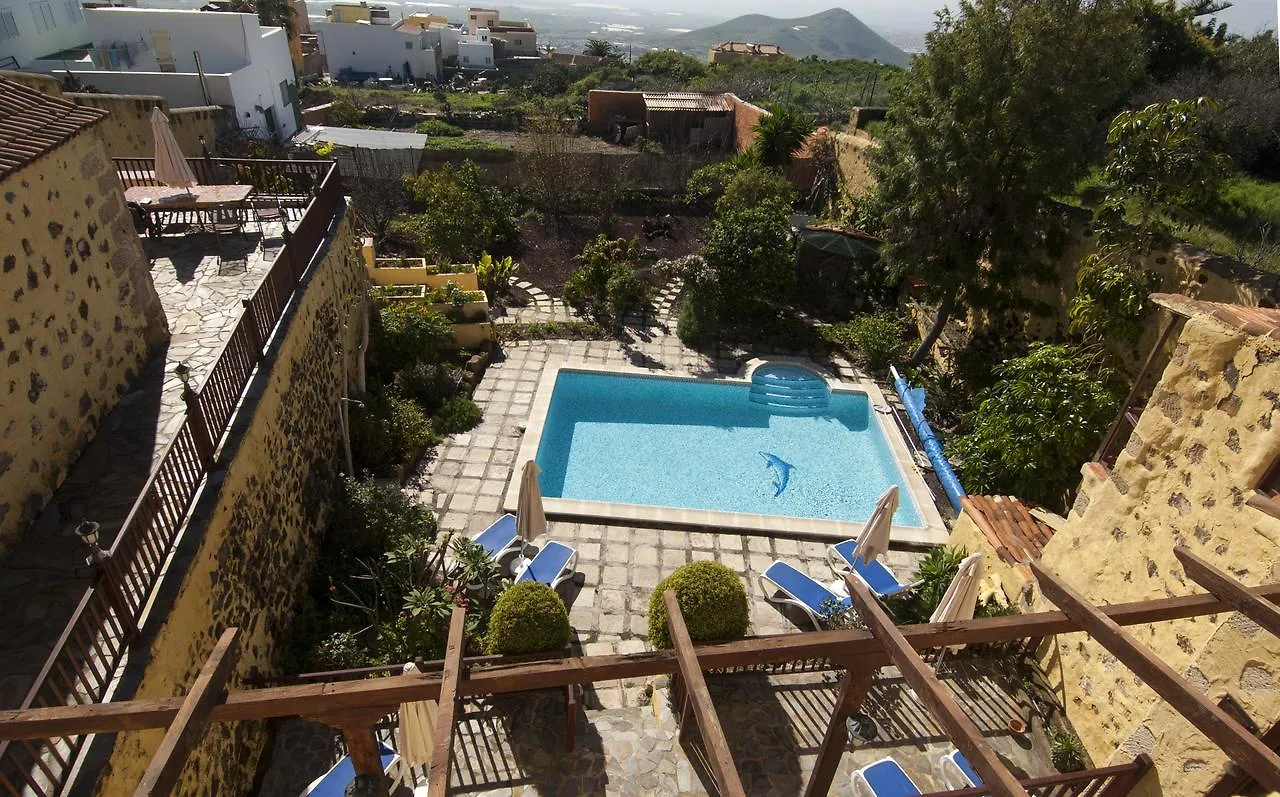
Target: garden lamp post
99	560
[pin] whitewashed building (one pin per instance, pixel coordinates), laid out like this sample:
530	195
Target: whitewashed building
190	58
366	49
32	30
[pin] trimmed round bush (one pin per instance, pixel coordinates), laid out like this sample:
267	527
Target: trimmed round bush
528	618
712	601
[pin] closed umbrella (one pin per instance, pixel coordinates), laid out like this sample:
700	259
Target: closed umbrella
874	539
531	520
417	728
171	165
961	598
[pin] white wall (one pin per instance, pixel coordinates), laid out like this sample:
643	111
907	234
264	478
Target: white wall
259	83
222	38
476	52
377	48
178	89
448	40
64	23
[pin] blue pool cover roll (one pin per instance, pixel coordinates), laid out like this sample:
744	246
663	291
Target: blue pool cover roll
913	402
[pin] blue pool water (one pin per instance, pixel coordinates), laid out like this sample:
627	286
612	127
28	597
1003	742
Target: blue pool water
701	445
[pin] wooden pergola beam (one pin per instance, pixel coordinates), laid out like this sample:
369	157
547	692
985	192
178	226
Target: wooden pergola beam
728	783
858	649
1243	747
450	678
853	690
188	726
964	734
1228	589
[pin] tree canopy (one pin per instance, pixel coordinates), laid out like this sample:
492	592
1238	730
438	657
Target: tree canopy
999	113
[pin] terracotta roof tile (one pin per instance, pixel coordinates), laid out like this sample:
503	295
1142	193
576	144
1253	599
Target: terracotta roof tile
1260	321
1017	535
32	123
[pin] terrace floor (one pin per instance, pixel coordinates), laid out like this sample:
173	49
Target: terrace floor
45	574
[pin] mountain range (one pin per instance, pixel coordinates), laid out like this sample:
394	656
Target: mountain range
831	34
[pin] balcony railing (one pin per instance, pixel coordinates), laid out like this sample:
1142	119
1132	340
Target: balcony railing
81	667
1114	781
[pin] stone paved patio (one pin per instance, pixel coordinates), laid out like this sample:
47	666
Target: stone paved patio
45	574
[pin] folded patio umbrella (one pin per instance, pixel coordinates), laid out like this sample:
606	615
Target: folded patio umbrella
171	165
417	728
874	539
531	520
961	598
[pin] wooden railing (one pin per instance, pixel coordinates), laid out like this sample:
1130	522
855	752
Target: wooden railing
81	667
275	177
1113	781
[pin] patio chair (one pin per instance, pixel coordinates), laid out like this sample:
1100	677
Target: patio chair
334	782
843	558
884	778
268	212
784	584
957	770
552	566
500	539
226	222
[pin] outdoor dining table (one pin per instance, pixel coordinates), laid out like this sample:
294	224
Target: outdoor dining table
154	199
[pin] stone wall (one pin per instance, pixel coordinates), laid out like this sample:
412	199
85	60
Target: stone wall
79	316
745	117
253	543
1205	438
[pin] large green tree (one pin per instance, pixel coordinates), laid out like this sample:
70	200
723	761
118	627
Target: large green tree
462	217
1000	112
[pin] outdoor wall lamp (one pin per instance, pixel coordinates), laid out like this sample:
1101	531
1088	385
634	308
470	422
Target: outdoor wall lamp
90	532
184	373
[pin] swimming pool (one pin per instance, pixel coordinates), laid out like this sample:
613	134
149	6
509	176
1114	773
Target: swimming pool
718	452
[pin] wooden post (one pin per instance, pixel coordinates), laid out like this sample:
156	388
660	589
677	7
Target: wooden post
249	319
200	434
1228	589
362	748
188	727
728	783
438	779
1243	747
965	735
1121	785
853	690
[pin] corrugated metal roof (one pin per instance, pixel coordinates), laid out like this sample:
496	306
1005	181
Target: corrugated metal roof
1260	321
686	101
32	124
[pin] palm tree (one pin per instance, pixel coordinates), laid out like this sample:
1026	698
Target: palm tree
781	134
601	48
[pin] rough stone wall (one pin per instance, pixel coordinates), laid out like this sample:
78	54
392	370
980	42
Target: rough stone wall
128	130
258	536
851	154
1205	438
78	317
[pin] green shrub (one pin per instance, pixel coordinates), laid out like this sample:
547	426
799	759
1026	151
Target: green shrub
451	144
697	324
1066	751
936	571
429	384
459	414
371	516
340	650
389	431
876	340
626	292
604	262
712	601
344	113
553	330
494	273
411	427
438	127
406	332
528	618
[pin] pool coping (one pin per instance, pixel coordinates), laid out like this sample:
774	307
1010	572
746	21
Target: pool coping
933	532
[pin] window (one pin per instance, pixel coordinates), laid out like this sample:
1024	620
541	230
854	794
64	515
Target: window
72	7
8	27
284	91
43	13
408	45
466	59
487	59
519	42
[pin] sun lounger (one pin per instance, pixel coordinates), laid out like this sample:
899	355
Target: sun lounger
785	584
553	564
844	558
500	539
956	769
334	782
884	778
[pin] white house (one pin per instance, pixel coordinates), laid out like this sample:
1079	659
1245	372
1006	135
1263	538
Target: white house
475	51
365	48
190	58
31	30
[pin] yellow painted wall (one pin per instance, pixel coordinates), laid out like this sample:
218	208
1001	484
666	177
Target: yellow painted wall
258	540
1210	430
78	317
966	534
348	13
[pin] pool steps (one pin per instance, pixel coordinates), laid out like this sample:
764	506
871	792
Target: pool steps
787	389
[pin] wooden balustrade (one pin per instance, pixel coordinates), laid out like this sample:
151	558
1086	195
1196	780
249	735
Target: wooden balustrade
83	661
1115	781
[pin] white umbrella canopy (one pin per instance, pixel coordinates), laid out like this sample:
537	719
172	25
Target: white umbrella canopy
874	539
417	728
960	600
172	168
531	520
